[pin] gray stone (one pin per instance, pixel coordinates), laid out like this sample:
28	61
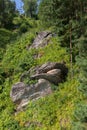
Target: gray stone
45	68
21	94
17	91
52	65
41	40
53	76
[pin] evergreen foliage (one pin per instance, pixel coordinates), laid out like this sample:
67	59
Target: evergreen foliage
30	8
82	63
64	17
7	13
5	37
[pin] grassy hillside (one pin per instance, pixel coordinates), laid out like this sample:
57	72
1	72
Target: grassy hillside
54	112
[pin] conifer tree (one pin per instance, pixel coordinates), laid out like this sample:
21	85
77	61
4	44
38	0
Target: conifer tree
30	8
69	17
81	111
7	13
65	17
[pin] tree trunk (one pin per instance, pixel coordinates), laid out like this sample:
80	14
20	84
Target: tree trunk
71	55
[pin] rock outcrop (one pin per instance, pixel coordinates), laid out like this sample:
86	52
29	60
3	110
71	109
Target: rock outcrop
46	75
53	76
51	66
53	69
21	94
41	40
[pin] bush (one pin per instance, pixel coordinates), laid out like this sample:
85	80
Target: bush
81	113
5	37
23	28
80	117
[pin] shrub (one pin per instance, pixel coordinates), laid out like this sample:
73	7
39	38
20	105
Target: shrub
23	28
5	37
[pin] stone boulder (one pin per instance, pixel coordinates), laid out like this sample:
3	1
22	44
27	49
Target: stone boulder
46	75
44	69
21	94
41	40
53	65
19	91
53	76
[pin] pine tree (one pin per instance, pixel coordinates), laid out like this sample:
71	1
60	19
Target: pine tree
65	17
69	17
7	13
81	111
46	13
30	8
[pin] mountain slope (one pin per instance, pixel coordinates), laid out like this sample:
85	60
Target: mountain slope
53	112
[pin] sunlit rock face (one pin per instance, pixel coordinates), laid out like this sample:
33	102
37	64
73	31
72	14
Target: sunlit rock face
46	75
42	39
21	94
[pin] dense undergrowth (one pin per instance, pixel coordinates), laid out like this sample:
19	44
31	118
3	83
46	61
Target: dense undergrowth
54	112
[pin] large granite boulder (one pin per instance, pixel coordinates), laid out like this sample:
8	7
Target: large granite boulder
58	69
46	75
41	40
53	76
21	94
17	92
53	65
